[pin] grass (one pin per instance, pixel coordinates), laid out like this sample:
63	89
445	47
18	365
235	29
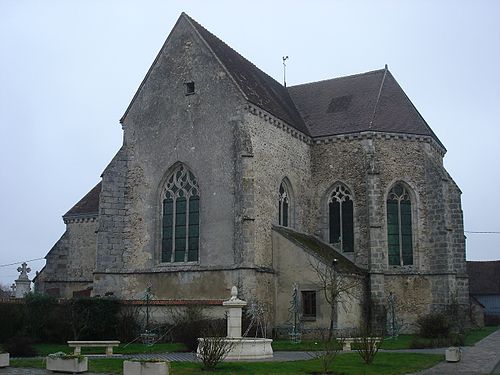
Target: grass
45	349
347	364
479	334
401	342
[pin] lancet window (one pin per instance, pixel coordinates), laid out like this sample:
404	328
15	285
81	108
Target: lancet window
284	205
399	226
341	225
181	217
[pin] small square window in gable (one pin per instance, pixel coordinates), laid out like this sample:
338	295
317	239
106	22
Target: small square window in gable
189	88
339	104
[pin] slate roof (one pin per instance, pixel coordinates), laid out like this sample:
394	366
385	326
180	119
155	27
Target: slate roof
258	87
484	277
371	101
319	248
86	206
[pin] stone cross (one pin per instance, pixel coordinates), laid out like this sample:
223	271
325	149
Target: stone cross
24	269
23	283
13	287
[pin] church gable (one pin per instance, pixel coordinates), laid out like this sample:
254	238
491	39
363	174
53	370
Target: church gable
184	72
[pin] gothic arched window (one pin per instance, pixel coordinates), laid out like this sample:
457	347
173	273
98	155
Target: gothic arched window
284	205
340	207
181	217
399	233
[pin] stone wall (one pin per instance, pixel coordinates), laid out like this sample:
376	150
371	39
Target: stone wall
295	265
370	165
277	153
71	261
162	127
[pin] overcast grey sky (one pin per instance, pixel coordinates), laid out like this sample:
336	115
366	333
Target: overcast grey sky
68	70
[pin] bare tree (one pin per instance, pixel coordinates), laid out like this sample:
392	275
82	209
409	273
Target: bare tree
5	291
329	349
339	285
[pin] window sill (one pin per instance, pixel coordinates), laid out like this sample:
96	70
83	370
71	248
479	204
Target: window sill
308	318
176	264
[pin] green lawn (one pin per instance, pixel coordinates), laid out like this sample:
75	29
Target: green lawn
401	342
347	364
479	334
45	349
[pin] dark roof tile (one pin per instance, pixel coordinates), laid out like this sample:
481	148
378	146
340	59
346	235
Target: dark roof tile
88	205
259	88
324	251
484	277
371	101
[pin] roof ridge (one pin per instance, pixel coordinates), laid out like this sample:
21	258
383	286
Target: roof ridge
258	87
432	134
336	78
228	46
378	97
193	24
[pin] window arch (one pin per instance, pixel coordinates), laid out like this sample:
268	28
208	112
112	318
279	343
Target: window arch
284	205
399	226
180	217
341	218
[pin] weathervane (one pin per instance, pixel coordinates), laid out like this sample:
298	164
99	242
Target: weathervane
284	70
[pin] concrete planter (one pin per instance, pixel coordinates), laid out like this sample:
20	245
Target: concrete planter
73	365
453	354
4	359
145	368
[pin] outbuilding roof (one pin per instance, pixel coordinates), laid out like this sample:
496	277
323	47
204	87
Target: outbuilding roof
325	252
484	277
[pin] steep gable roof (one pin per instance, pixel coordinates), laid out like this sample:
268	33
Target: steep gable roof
371	101
88	205
484	277
258	87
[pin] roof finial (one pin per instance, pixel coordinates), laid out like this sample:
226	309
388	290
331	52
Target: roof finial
284	70
386	67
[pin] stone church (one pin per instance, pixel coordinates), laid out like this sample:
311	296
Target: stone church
226	177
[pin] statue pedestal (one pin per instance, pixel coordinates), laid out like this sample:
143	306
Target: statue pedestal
241	348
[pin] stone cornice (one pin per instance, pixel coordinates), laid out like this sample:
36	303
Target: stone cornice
280	124
84	218
277	122
381	135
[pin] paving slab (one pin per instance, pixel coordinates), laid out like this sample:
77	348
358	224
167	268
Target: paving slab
479	359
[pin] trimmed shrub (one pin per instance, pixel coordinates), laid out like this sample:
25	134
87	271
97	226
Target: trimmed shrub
434	326
188	327
20	346
94	318
46	319
12	320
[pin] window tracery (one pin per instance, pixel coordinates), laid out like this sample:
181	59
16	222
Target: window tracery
399	226
341	219
180	224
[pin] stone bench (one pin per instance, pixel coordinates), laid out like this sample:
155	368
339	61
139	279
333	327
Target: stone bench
92	344
348	341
